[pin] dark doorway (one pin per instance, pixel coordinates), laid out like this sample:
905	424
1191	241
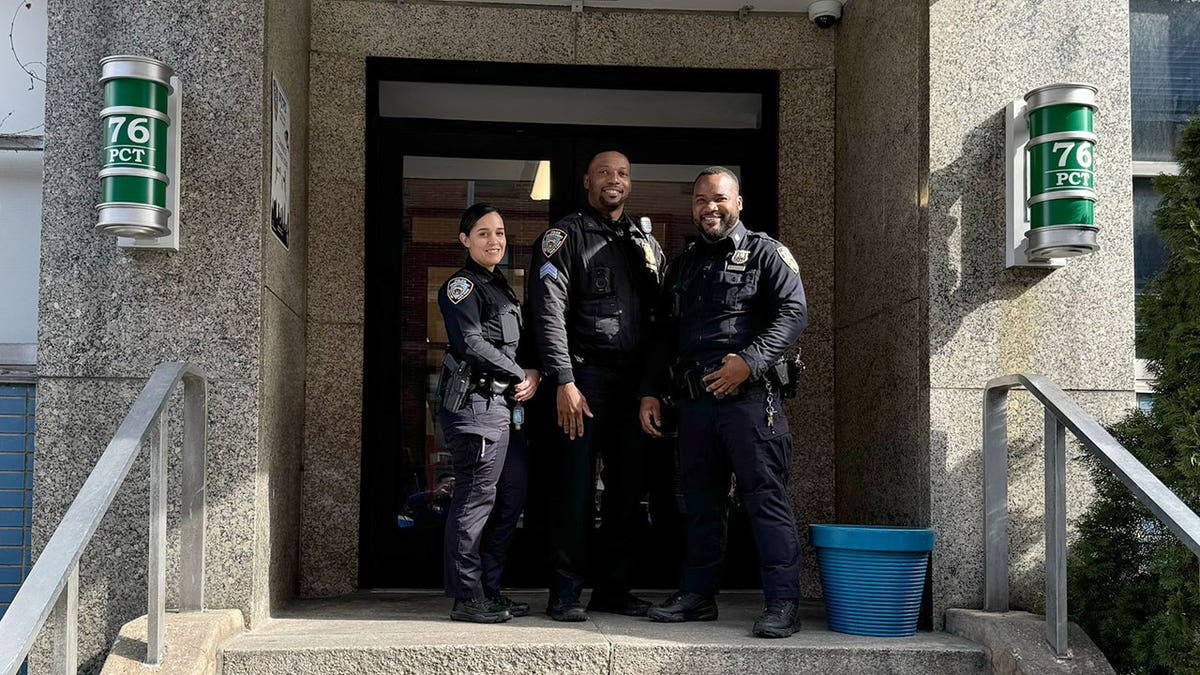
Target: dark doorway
423	168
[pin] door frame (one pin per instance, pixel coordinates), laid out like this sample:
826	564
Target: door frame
388	140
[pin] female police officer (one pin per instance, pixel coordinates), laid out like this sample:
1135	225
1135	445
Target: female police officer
483	323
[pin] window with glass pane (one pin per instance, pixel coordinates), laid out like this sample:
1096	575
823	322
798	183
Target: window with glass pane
1165	73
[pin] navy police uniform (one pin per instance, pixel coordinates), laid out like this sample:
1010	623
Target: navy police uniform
740	295
593	287
484	324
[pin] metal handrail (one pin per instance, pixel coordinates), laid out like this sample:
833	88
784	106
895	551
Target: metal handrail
1061	413
57	568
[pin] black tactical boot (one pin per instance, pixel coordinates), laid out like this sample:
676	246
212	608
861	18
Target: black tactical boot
685	606
514	607
627	604
478	610
566	610
780	618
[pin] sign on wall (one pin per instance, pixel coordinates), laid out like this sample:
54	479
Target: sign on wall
281	161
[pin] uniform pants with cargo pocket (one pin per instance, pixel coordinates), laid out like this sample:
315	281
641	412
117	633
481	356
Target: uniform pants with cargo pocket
477	436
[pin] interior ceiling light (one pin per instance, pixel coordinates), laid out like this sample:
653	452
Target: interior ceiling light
541	182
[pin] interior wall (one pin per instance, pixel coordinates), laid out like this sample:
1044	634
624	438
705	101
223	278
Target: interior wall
881	381
277	484
346	32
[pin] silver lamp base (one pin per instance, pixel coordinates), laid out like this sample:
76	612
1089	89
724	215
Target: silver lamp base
1061	241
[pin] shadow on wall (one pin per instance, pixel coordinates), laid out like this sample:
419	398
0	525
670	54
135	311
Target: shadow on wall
967	235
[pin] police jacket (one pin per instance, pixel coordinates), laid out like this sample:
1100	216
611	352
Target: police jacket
593	287
483	322
740	295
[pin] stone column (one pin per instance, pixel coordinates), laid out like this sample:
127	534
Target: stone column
231	300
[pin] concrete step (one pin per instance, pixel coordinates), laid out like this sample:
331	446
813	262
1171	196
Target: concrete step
411	633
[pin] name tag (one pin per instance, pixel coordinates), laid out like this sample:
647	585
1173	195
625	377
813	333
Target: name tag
730	267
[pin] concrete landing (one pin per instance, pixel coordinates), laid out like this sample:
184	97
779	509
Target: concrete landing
411	633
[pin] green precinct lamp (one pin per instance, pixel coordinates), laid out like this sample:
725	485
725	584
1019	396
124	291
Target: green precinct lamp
140	203
1051	182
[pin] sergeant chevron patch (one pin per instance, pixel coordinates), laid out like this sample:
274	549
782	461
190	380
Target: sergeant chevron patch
459	288
553	240
786	255
548	270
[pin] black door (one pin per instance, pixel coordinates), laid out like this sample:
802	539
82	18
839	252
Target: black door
421	173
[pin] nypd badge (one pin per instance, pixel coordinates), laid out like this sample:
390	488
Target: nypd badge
787	258
651	259
552	241
459	288
740	256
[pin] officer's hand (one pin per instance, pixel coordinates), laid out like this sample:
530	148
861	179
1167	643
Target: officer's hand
526	388
726	379
651	416
572	406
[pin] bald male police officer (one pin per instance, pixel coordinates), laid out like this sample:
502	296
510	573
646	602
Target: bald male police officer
736	303
594	281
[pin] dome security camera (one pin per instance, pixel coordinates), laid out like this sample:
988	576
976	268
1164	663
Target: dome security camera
825	13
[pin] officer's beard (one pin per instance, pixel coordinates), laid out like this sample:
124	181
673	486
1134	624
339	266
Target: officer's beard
729	222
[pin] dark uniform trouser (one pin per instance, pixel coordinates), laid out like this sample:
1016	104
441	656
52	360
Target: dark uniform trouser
478	439
511	490
614	434
715	437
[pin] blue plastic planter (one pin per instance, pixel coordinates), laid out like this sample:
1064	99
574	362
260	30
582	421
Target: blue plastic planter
872	577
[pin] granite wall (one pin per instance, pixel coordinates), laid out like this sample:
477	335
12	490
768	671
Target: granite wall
226	301
284	298
1073	324
881	380
346	32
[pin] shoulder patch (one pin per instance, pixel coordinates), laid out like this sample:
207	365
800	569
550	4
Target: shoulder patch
786	255
553	240
459	288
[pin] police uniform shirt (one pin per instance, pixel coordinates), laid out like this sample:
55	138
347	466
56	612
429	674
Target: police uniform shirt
483	321
593	284
739	295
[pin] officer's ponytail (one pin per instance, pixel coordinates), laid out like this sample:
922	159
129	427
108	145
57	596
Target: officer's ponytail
472	215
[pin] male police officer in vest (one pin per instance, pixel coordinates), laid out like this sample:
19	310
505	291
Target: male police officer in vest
736	303
594	282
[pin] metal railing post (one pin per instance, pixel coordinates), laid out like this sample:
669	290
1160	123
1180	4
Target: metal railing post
995	499
157	577
1056	534
66	626
192	503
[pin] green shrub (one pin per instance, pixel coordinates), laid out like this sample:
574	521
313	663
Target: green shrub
1133	586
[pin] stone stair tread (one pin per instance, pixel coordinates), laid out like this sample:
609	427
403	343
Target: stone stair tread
384	632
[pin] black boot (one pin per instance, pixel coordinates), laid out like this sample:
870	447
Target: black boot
514	607
566	610
478	610
685	606
626	603
780	618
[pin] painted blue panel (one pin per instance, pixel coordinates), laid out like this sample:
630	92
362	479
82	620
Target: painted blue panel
10	575
12	443
12	461
7	593
12	517
12	536
12	556
14	389
12	406
12	498
12	425
12	480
